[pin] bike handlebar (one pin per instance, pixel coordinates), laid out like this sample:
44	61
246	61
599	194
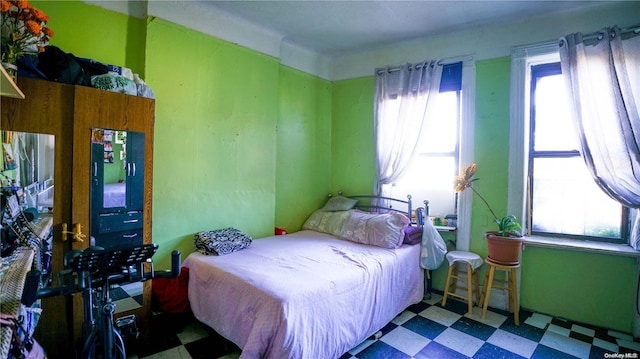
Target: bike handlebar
175	267
106	265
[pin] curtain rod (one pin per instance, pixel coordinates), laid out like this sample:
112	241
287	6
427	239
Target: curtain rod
598	34
418	66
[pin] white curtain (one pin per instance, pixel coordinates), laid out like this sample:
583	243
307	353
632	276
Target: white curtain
400	112
603	75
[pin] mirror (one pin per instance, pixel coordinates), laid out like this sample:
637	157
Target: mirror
28	160
113	148
27	182
117	205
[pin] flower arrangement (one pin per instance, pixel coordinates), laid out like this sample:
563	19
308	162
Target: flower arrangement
23	31
507	225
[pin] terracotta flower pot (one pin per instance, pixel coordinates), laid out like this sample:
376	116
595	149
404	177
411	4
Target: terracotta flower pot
504	250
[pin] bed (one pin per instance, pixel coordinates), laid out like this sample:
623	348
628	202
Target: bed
316	293
40	196
115	195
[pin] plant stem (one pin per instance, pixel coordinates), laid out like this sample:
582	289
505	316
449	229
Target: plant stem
487	203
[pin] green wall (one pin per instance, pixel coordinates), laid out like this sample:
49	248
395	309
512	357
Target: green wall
353	152
243	141
491	151
215	136
303	162
114	172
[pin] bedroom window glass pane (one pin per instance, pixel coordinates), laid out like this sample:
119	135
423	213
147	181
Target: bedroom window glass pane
442	137
565	200
430	175
554	129
568	201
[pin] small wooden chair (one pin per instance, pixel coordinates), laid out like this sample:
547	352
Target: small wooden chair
473	262
510	285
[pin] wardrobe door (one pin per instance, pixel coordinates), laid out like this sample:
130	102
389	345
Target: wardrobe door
111	224
48	109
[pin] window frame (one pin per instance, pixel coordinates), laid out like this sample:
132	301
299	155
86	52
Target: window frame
455	154
522	61
465	147
537	72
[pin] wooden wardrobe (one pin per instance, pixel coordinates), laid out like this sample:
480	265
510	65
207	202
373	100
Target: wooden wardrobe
70	113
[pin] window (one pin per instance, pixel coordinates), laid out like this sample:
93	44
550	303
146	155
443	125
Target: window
430	176
431	173
563	199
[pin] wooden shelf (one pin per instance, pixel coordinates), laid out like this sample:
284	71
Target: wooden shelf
8	87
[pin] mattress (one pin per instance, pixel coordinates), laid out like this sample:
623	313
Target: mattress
115	195
303	295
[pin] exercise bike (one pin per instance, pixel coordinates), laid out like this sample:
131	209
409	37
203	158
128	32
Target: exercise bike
92	271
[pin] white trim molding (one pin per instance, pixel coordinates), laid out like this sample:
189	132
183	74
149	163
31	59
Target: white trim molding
468	105
522	58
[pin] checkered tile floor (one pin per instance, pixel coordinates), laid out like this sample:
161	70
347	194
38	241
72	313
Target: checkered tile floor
425	330
127	296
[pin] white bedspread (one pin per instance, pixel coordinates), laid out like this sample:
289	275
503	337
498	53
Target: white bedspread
115	195
303	295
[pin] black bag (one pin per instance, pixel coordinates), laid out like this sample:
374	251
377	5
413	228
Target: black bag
62	67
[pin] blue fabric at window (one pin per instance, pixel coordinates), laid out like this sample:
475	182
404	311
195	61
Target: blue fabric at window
451	77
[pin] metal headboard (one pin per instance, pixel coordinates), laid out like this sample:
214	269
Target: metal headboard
371	203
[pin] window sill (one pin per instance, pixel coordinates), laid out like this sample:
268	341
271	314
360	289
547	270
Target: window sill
445	228
582	246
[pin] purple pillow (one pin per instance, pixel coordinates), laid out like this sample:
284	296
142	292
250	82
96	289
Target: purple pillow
412	235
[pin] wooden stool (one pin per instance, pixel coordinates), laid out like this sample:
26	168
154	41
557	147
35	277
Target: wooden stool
473	262
511	287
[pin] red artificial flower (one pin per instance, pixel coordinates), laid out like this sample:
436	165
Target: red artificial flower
32	26
5	6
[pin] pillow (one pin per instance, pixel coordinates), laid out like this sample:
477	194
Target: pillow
221	241
382	230
412	235
339	204
327	222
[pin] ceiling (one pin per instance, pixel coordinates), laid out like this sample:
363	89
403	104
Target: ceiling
337	27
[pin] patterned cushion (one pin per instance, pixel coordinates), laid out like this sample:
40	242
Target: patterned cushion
221	241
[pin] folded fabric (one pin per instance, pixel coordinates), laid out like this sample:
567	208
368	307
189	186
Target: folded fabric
221	241
412	235
114	83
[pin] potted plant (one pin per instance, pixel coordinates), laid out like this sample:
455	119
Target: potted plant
504	245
